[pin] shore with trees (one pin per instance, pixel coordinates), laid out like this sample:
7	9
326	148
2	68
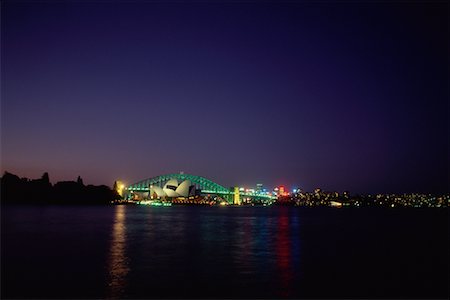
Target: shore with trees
16	190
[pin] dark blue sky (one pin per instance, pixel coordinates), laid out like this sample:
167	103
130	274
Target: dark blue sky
341	96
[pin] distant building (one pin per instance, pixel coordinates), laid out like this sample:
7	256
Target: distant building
259	188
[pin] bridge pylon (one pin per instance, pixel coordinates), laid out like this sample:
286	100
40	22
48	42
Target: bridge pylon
236	196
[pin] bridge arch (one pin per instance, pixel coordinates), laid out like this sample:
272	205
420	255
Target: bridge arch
200	183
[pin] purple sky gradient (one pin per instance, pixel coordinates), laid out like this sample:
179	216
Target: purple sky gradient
334	95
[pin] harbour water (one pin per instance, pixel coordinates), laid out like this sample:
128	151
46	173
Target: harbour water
128	251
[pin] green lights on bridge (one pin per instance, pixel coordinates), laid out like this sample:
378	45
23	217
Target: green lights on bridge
203	184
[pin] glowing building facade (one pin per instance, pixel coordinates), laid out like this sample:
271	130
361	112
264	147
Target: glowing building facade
172	189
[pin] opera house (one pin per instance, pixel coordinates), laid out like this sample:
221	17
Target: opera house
172	189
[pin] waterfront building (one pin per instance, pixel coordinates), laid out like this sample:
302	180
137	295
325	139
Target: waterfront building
177	186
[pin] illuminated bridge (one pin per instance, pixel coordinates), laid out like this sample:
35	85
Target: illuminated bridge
202	184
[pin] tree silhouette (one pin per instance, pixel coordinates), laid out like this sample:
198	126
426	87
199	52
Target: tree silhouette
40	191
80	181
45	179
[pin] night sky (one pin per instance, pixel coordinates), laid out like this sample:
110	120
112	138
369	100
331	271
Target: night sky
341	96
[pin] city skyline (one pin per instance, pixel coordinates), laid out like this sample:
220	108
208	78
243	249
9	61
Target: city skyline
331	95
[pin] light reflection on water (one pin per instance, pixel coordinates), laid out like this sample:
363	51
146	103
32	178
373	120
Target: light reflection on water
283	250
156	246
118	261
143	252
244	246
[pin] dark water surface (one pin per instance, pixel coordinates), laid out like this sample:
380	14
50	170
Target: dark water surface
223	252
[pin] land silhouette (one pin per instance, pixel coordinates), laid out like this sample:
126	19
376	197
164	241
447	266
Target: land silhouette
16	190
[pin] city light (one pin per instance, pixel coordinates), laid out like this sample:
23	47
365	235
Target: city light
210	193
120	186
